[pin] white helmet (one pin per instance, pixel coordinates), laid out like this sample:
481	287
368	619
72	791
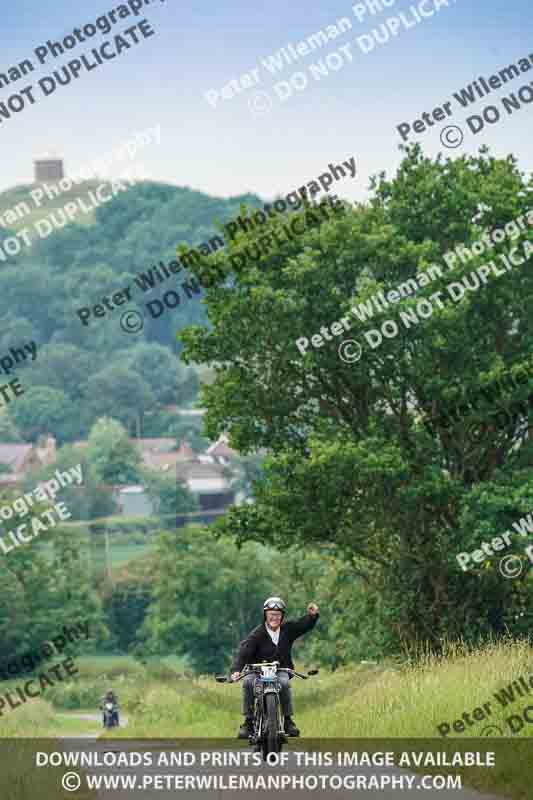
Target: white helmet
274	604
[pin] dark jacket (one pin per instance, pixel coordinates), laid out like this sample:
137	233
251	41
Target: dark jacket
258	646
106	698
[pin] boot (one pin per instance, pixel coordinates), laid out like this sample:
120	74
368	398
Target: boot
246	729
290	727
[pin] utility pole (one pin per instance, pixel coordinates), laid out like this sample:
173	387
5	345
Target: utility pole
109	568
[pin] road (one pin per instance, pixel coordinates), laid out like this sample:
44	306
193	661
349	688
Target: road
89	718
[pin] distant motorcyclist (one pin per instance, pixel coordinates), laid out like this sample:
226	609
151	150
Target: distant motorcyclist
110	697
271	641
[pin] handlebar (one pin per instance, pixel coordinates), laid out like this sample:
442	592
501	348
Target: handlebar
253	668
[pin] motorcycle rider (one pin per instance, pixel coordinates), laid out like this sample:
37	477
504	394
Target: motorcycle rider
110	697
271	641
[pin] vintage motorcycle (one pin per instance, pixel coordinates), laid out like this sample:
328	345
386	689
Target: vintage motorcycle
110	714
268	731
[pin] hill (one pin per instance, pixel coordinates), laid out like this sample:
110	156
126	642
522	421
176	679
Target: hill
87	366
25	211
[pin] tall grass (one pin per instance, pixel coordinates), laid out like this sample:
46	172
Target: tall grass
368	702
362	701
34	718
33	727
22	779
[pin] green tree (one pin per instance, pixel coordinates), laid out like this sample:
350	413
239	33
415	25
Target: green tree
17	330
249	471
39	306
41	410
197	578
189	429
353	625
14	612
111	457
126	602
74	596
49	587
90	500
159	368
42	289
9	433
64	367
120	392
353	465
167	496
188	387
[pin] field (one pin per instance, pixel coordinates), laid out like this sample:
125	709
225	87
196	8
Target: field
96	666
120	554
369	702
364	701
122	549
55	713
361	701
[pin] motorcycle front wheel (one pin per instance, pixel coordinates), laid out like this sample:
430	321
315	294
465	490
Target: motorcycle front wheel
271	741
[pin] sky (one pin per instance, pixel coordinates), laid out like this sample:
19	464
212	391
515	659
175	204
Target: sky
263	140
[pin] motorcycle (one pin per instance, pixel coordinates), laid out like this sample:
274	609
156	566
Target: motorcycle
110	715
268	727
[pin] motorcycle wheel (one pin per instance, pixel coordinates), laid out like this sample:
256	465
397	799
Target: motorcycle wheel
271	742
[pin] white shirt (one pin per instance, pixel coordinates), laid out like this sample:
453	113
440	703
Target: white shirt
274	635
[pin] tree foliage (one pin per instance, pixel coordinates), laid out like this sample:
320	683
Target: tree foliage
42	289
125	603
43	586
208	597
355	463
9	433
111	457
41	410
167	496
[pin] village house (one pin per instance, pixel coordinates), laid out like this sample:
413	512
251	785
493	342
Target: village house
208	479
19	459
207	476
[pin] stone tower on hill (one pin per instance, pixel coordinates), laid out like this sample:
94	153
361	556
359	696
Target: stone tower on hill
48	169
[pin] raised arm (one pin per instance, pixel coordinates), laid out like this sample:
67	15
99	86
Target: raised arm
297	627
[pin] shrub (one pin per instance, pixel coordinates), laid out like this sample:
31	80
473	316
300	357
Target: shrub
78	694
